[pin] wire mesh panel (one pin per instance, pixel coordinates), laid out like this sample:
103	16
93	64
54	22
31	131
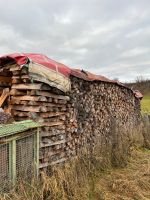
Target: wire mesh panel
19	153
25	157
4	166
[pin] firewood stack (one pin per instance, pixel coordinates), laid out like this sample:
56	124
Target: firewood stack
42	103
91	109
82	117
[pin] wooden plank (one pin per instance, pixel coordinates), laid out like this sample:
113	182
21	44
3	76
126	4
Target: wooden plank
29	98
35	86
12	161
51	114
36	152
49	133
15	68
37	103
42	144
37	115
25	114
4	95
21	76
48	94
30	108
16	92
49	124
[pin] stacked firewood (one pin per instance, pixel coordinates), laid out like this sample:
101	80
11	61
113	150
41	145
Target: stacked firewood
35	100
80	118
92	107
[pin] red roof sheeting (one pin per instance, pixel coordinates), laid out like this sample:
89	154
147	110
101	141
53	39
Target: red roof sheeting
25	58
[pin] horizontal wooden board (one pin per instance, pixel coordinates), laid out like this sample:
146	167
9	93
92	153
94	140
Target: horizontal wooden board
34	86
48	94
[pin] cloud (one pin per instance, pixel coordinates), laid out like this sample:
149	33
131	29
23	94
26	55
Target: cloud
135	52
108	37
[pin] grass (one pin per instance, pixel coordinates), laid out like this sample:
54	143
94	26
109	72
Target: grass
83	180
145	104
130	183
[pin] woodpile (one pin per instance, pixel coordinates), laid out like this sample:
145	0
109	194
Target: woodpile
92	107
38	101
80	118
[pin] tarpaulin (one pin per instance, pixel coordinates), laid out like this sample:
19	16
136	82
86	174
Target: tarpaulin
44	69
41	68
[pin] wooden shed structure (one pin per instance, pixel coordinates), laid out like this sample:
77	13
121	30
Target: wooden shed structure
74	106
19	152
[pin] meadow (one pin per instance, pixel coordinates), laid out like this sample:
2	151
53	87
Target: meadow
145	104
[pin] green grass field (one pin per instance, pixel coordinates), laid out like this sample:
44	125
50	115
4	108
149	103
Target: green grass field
145	104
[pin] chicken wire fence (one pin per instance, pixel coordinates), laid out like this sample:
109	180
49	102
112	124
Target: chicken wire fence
4	166
19	152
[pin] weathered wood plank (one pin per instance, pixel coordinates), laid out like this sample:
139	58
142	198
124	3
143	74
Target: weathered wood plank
52	143
29	98
29	108
16	92
37	103
51	114
35	86
49	124
49	94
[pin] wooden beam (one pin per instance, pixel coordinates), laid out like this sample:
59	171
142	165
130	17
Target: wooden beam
29	98
51	114
49	124
48	94
35	86
29	108
16	92
4	95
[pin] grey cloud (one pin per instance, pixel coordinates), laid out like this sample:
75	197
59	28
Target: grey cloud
108	37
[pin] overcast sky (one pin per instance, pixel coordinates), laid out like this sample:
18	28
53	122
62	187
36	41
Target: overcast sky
107	37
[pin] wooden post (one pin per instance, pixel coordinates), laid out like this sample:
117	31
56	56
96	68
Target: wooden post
12	161
36	153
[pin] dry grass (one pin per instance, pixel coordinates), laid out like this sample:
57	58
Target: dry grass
130	183
92	176
84	179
